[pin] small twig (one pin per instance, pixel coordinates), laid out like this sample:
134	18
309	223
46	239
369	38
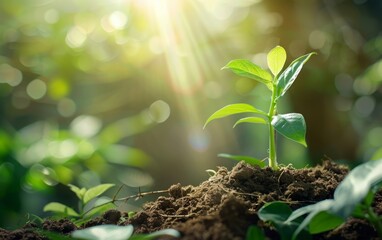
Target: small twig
136	196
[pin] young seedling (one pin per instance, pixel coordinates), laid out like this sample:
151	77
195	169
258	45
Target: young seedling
290	125
86	207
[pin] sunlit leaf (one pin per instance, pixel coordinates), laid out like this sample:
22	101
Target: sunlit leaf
250	160
291	125
60	208
251	120
246	68
96	191
100	205
276	59
233	109
286	79
104	232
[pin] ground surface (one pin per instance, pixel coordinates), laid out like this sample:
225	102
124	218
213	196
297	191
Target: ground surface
225	205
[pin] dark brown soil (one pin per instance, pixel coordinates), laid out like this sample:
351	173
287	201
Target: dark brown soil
225	205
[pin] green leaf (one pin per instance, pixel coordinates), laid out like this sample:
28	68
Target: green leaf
100	205
277	213
286	79
251	120
250	160
356	186
104	232
96	191
60	208
246	68
291	125
79	192
324	221
233	109
276	59
254	233
165	232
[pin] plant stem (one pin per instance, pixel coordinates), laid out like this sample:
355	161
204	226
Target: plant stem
373	218
272	143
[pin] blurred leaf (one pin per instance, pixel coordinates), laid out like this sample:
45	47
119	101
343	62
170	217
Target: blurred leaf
276	59
254	233
324	221
291	125
246	68
60	208
250	160
233	109
154	235
96	191
104	232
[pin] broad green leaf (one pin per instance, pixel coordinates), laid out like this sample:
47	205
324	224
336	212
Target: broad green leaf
79	192
165	232
356	186
276	59
250	160
60	208
96	191
277	213
246	68
291	125
324	221
254	233
251	120
104	232
312	211
348	196
233	109
286	79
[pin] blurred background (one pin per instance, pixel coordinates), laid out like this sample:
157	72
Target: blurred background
118	91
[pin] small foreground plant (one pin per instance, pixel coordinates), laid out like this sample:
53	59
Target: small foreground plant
353	197
291	125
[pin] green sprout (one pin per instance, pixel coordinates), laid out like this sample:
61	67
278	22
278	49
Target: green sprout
290	125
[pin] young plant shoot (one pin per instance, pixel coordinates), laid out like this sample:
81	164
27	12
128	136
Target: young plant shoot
290	125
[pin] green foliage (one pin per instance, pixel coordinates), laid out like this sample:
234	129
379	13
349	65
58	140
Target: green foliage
105	232
86	207
291	125
352	198
254	233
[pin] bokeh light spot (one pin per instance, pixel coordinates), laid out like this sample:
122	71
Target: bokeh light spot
51	16
58	88
10	75
86	126
118	20
374	136
317	39
36	89
159	111
76	37
62	150
66	107
364	106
